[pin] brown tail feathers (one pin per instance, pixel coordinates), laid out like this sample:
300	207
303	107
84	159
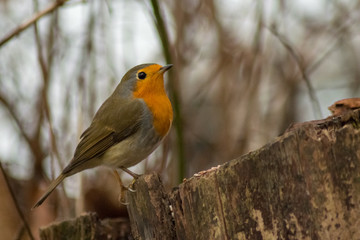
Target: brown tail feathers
49	190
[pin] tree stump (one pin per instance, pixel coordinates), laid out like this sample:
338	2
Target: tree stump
303	185
149	211
87	227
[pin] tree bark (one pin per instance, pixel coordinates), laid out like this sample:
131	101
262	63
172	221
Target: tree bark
149	211
87	227
303	185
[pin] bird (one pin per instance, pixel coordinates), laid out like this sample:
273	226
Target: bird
127	127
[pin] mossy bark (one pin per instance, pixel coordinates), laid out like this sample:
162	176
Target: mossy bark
87	227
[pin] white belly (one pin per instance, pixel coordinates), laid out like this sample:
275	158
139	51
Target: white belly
130	152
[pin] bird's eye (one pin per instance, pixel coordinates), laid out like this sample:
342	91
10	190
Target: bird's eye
141	75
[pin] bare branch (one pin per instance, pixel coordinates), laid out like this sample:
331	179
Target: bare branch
300	63
44	104
9	106
31	21
165	43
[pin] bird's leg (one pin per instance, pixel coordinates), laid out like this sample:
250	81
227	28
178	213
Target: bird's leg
123	189
134	175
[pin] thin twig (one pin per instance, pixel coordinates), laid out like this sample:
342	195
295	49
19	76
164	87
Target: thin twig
26	225
30	140
160	25
45	70
300	63
31	21
11	109
337	36
44	107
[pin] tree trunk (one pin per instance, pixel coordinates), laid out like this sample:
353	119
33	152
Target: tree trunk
303	185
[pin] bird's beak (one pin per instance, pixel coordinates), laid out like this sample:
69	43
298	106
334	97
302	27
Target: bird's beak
165	68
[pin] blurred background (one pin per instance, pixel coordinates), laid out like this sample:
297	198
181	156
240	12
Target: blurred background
244	70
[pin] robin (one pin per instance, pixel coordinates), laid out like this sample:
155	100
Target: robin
128	126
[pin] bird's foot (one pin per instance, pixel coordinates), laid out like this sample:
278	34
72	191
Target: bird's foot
122	196
131	186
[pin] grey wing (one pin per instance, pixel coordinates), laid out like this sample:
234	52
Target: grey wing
105	132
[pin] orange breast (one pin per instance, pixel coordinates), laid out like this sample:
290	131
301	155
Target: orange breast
161	109
152	91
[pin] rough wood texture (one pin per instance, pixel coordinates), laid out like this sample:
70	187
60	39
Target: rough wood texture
87	227
149	211
304	185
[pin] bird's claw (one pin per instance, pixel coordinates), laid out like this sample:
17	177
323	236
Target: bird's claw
122	196
131	185
131	189
122	200
123	189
